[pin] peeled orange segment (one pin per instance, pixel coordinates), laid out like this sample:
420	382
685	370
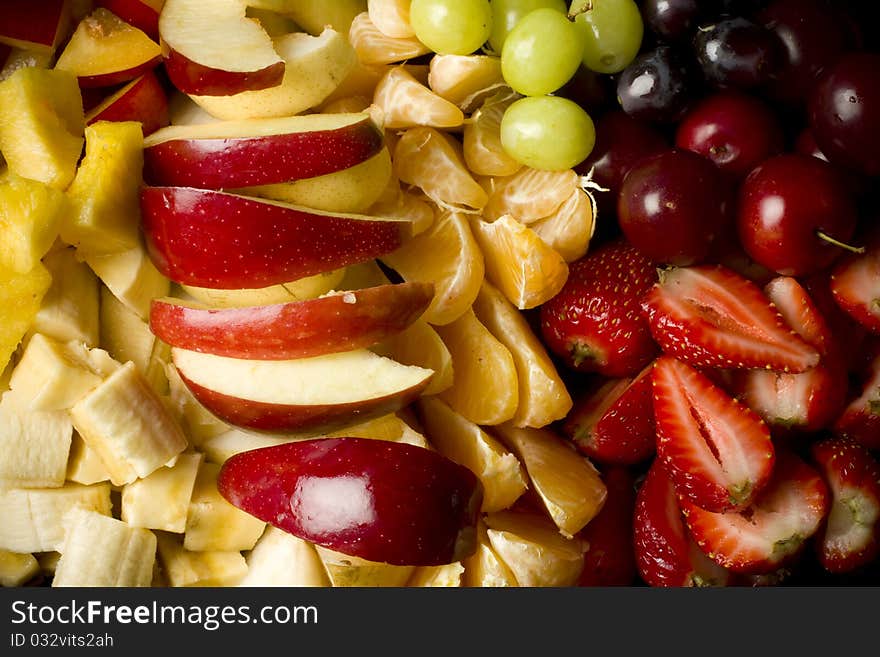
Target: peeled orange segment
448	256
396	202
374	47
465	79
361	275
486	389
391	17
360	81
533	549
432	161
518	262
483	151
484	568
530	194
406	102
346	105
466	443
543	396
568	231
566	482
419	344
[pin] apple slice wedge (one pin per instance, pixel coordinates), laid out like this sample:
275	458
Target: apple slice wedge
34	25
143	14
321	393
232	154
386	502
218	240
340	321
143	99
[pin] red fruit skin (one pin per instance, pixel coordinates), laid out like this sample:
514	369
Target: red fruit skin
708	316
610	559
771	533
594	323
704	437
849	335
855	285
666	554
860	420
382	501
613	424
850	538
783	202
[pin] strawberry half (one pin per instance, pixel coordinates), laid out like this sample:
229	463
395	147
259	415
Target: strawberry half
610	560
666	554
614	423
855	283
716	451
771	532
807	401
851	536
594	323
860	420
710	316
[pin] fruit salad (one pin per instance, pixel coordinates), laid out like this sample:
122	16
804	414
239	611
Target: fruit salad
459	293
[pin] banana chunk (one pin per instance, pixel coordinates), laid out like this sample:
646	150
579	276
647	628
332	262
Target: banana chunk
183	567
161	500
282	559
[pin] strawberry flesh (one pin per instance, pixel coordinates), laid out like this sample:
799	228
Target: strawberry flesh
860	419
710	316
772	532
850	538
855	284
594	323
716	451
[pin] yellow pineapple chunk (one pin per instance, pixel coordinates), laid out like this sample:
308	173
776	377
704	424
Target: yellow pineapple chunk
30	214
41	125
105	191
70	308
20	298
24	58
17	568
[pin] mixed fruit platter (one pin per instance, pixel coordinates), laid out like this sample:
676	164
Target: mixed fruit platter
439	293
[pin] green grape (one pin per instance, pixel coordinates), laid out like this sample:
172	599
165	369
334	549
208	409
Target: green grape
541	53
612	32
547	132
506	14
451	27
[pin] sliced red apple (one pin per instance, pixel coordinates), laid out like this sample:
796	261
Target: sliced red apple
212	48
104	51
385	502
340	321
142	99
218	240
317	394
143	14
34	24
231	154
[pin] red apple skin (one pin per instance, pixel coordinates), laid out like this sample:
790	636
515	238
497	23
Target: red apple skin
388	502
34	24
268	417
139	14
142	100
118	77
229	163
299	329
223	241
193	78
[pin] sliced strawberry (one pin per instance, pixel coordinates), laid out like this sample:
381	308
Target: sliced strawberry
850	538
855	283
710	316
666	554
807	401
614	422
860	419
610	559
594	323
771	532
848	334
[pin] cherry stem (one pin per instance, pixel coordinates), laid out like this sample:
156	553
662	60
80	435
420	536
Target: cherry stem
843	245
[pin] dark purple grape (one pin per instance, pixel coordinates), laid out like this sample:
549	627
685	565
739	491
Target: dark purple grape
658	86
737	53
845	113
672	20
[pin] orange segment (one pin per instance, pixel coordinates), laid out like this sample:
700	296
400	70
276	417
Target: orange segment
465	80
484	568
568	231
530	194
483	151
543	397
519	263
447	256
391	17
434	162
421	345
485	386
406	102
398	203
374	47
